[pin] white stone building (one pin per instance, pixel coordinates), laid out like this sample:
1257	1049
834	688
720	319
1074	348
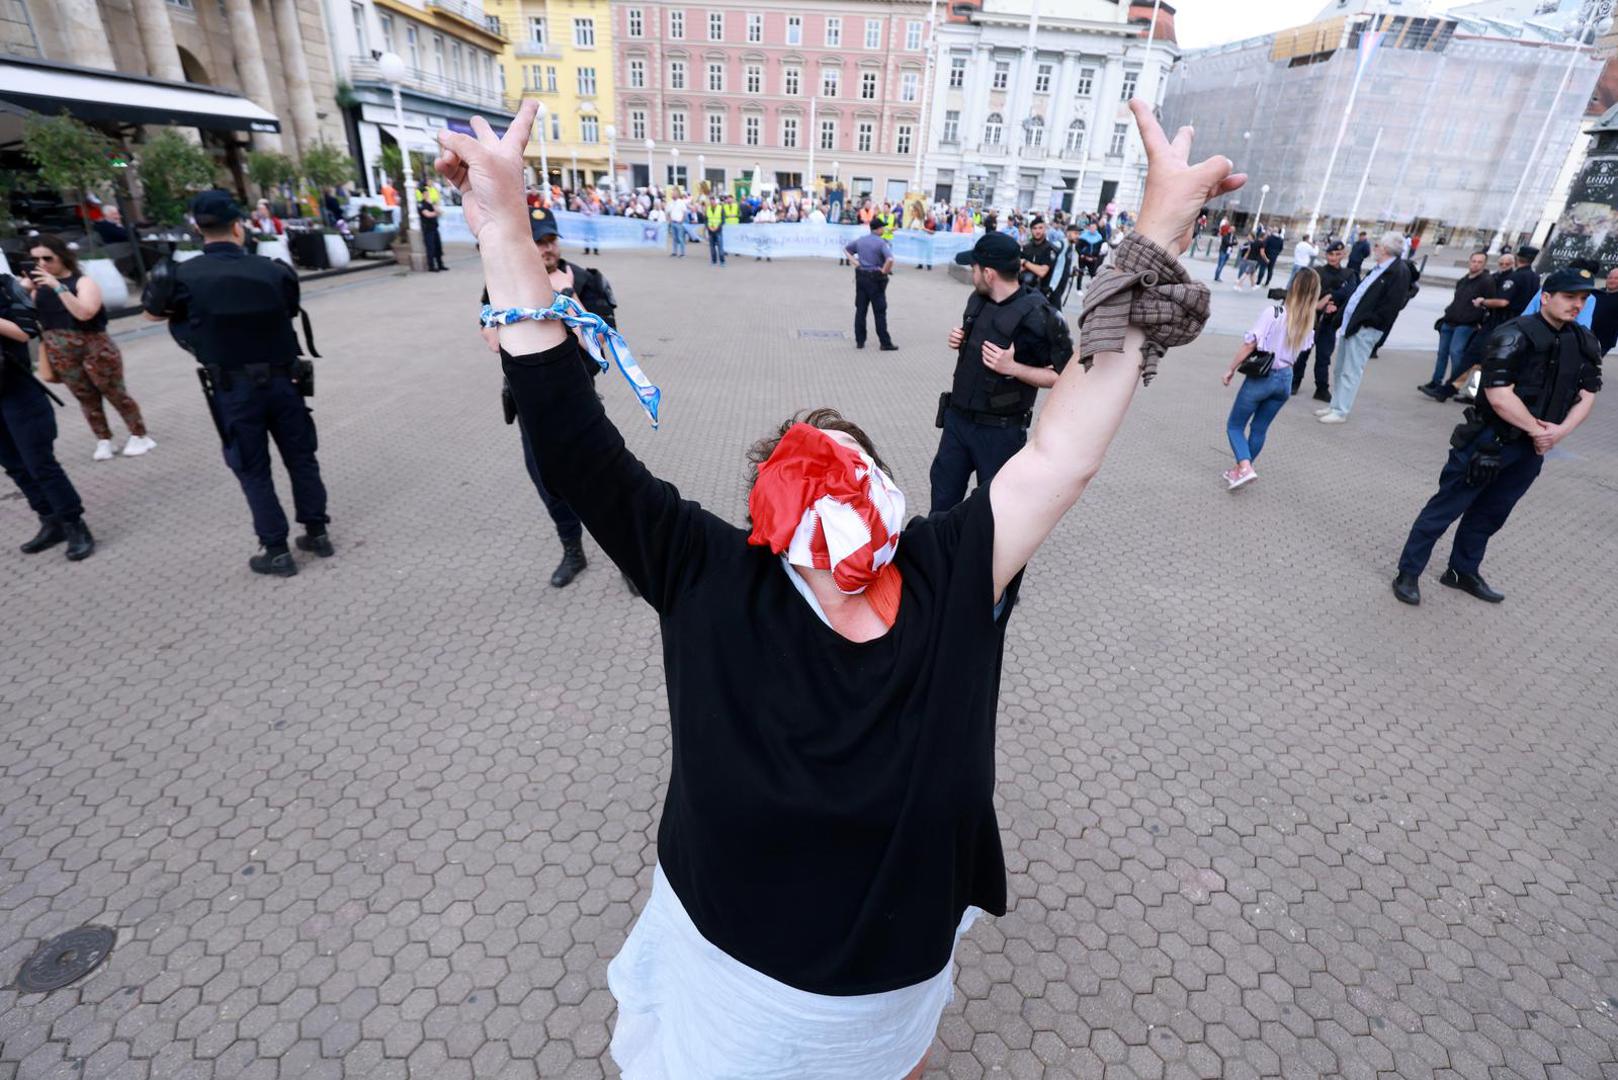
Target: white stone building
1027	105
451	51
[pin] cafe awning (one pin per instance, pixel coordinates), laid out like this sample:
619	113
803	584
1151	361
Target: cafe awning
107	97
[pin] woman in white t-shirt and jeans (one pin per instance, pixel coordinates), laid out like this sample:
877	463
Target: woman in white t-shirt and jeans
1284	332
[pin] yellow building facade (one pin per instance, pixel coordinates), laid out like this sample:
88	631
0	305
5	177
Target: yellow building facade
560	52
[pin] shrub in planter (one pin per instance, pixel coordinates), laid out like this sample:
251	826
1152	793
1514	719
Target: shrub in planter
324	166
70	156
270	170
172	170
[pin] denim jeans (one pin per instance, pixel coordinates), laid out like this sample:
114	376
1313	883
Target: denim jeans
1452	341
716	246
677	231
1353	352
1256	402
1224	257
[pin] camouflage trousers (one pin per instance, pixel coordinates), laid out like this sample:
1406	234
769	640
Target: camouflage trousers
92	368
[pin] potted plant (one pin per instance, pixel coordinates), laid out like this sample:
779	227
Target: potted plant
74	157
172	169
271	171
326	166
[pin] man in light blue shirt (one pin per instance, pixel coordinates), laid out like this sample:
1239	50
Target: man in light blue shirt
1369	314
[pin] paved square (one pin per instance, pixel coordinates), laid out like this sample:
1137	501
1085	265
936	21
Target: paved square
392	817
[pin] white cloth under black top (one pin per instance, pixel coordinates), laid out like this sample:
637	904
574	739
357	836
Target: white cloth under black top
830	815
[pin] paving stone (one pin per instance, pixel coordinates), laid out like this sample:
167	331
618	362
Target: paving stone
393	817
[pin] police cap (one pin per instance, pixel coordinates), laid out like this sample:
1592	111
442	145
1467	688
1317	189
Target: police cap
1569	280
1526	254
996	250
215	208
1335	245
542	223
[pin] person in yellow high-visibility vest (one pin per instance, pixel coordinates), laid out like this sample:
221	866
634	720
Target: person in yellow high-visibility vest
716	233
889	223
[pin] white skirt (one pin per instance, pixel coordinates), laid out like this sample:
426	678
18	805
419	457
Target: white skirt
689	1011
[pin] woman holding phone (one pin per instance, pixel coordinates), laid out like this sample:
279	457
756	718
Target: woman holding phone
73	322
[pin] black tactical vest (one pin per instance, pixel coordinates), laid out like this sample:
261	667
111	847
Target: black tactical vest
237	310
976	388
1548	372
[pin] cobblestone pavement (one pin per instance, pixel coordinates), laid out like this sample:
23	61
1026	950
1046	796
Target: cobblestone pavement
392	817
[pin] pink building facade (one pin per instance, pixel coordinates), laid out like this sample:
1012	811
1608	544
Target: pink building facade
769	86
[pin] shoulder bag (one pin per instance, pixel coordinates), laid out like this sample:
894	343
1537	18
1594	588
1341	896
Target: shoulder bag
1260	363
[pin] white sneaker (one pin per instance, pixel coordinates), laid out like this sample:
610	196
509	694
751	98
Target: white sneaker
138	445
1334	418
1323	412
103	450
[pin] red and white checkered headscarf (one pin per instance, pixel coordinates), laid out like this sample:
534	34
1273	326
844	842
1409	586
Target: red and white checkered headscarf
828	507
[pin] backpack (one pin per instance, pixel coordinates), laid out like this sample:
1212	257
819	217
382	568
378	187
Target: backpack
600	300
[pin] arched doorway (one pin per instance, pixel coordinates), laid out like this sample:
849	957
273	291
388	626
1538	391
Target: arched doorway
192	67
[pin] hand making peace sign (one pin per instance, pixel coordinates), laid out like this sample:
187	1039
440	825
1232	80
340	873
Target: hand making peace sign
487	170
1176	190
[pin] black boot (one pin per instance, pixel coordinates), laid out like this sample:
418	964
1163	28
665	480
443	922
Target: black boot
50	534
1407	588
572	564
315	541
1471	584
275	560
80	544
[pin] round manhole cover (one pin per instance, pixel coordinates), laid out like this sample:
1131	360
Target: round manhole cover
65	959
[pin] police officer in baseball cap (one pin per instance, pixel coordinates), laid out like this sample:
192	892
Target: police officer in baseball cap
590	288
1010	343
1541	373
234	312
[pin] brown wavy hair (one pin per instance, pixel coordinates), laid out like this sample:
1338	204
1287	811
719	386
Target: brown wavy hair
58	247
825	420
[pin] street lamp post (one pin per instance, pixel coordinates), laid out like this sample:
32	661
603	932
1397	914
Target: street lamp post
391	66
544	154
650	164
926	86
576	168
702	170
611	133
1263	193
674	167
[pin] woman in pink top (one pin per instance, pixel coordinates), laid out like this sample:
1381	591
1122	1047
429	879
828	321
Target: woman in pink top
1282	331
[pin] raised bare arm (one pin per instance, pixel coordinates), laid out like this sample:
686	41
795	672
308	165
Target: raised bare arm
487	170
1086	408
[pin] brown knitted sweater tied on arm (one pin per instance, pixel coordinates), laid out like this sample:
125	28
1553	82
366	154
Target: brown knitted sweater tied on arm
1144	285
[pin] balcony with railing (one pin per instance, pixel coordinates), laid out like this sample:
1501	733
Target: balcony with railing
362	69
470	11
538	49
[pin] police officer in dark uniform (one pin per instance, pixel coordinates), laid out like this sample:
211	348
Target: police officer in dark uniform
593	292
1541	373
28	434
1515	286
1337	284
234	312
1010	343
873	265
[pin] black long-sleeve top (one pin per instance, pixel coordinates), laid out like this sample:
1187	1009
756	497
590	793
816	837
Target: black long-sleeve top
830	809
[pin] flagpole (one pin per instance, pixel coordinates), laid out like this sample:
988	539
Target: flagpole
1348	231
1539	140
1362	62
